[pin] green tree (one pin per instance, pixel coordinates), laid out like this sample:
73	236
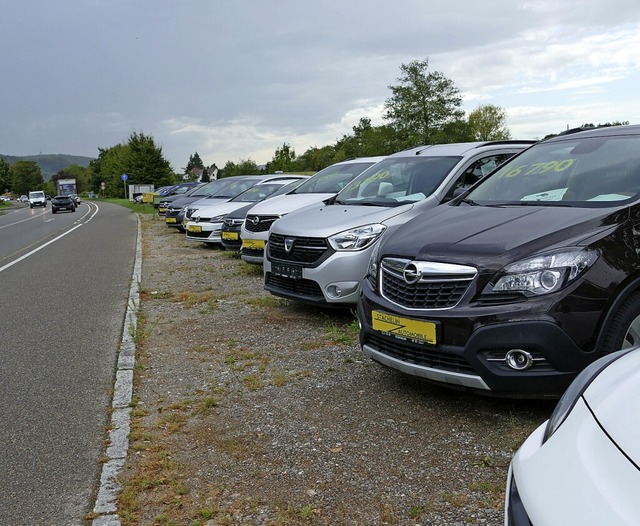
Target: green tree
283	160
140	159
194	162
488	123
368	140
5	176
243	167
422	104
25	177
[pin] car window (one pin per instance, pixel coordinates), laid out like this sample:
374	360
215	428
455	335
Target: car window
398	180
332	179
477	170
593	171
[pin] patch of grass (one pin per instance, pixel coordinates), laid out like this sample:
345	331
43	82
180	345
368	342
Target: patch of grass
343	333
267	302
250	270
143	208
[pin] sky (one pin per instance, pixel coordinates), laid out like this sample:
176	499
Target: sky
234	80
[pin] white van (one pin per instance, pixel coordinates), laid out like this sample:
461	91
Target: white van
37	198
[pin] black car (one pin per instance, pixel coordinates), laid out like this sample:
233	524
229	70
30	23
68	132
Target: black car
521	282
63	202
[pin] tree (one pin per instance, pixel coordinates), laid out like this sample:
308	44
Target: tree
25	177
368	140
244	167
487	123
422	104
194	162
140	159
5	176
283	160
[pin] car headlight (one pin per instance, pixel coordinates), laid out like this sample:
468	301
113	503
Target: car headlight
577	389
218	218
372	267
544	273
357	238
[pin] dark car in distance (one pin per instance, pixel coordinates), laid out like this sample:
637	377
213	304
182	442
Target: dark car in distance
63	202
521	282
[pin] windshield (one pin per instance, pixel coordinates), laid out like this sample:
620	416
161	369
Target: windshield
210	188
234	188
257	193
594	171
332	179
398	180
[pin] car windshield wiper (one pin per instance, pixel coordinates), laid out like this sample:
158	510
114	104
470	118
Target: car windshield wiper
468	201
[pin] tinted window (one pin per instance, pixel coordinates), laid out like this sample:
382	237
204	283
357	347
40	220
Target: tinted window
332	179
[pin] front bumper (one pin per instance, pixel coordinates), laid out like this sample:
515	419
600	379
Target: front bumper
205	232
335	280
470	346
230	238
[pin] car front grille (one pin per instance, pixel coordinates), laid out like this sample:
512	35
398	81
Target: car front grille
299	287
302	249
417	354
255	223
436	288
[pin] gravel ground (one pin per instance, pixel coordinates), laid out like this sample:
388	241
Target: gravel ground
254	410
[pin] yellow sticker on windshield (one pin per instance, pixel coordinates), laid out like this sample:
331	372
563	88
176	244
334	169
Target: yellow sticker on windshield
537	168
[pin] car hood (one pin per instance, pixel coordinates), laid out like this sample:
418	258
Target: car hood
283	204
217	209
491	237
613	399
182	202
327	220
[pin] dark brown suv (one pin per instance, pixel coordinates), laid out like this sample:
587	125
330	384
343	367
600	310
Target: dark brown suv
522	281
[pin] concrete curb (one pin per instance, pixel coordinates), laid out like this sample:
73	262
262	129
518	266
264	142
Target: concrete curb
105	506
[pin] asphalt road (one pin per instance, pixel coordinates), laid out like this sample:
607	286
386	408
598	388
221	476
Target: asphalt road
64	283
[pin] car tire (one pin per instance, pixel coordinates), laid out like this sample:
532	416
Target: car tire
53	211
623	329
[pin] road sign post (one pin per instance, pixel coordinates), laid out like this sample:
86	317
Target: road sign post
124	178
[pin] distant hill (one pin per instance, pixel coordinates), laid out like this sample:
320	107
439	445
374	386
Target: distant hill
50	163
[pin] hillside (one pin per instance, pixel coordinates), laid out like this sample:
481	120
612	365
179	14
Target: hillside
50	163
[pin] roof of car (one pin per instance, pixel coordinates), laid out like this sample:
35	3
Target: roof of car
459	148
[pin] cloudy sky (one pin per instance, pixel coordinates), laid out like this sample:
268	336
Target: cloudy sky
236	79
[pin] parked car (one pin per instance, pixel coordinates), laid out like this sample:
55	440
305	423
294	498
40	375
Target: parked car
582	465
63	202
206	223
176	190
24	199
320	254
238	185
175	206
323	185
232	224
517	285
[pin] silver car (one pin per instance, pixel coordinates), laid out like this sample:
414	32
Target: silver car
320	254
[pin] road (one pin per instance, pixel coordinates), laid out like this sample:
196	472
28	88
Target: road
64	283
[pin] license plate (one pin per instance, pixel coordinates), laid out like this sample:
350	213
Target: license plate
286	271
253	243
170	219
194	228
417	331
161	210
230	236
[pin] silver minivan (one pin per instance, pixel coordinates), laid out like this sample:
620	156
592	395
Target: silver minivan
320	254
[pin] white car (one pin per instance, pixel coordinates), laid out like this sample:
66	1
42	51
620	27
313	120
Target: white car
582	466
321	186
206	222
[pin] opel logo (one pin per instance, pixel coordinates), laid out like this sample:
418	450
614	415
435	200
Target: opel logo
288	244
411	274
255	220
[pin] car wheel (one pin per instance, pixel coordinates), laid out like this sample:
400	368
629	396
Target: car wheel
53	211
623	330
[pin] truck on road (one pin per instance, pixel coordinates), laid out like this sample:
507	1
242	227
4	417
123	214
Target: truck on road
66	187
